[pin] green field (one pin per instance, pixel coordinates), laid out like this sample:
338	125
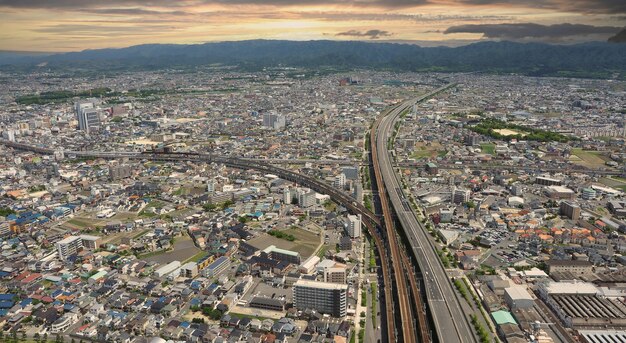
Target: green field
488	148
589	159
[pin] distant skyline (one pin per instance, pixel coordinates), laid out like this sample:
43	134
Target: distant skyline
72	25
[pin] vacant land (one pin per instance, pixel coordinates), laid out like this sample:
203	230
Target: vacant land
488	148
306	242
81	222
589	159
427	150
184	249
508	132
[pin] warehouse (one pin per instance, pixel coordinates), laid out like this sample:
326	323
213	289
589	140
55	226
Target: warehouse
518	297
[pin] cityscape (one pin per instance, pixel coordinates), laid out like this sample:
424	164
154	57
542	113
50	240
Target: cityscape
314	189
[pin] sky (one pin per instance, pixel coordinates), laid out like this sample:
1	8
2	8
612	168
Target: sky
74	25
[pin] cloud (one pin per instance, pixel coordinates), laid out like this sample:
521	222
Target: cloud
522	31
418	18
84	30
579	6
132	11
371	34
77	4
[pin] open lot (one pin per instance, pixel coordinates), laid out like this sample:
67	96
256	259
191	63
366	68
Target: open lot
183	249
589	159
306	242
509	132
488	148
428	150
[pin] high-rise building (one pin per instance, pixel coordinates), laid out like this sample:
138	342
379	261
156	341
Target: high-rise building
87	115
340	181
287	195
274	121
353	226
89	120
570	210
323	297
82	106
472	140
460	196
358	192
306	197
69	246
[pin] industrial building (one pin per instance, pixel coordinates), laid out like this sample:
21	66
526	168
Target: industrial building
170	268
580	305
518	297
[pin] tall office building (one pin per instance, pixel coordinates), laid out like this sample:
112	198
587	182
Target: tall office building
87	115
81	106
273	120
353	226
69	246
323	297
89	120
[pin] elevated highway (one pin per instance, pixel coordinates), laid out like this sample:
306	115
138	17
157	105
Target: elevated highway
450	322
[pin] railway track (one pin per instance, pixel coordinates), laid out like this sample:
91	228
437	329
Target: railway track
402	271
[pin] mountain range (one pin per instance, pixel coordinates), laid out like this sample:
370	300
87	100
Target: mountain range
598	59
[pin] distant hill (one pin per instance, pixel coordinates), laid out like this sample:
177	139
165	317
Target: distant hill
586	60
17	57
619	37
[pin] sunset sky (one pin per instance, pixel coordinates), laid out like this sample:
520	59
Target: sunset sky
71	25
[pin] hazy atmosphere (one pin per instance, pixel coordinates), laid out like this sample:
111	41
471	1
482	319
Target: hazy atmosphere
70	25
